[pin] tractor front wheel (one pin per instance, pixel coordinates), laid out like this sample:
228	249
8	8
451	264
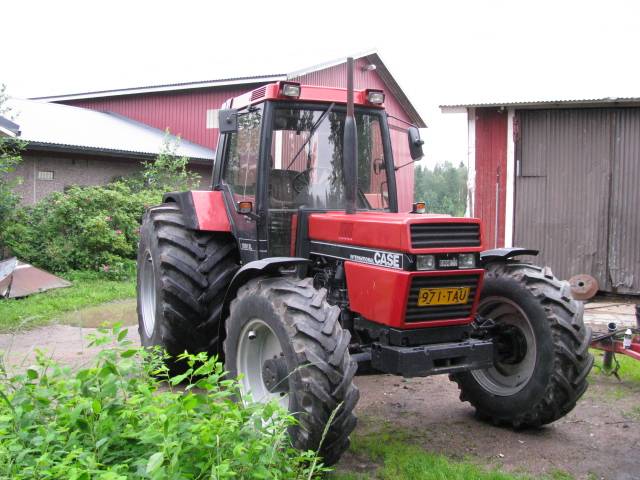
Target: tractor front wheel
541	348
285	343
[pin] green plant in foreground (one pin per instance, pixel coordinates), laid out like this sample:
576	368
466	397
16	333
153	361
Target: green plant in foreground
125	417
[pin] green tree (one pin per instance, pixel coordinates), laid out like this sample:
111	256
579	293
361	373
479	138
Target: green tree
168	172
10	158
444	188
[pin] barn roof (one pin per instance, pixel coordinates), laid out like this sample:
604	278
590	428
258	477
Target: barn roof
53	126
8	128
371	56
572	103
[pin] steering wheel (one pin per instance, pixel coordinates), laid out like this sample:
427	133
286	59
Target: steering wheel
301	180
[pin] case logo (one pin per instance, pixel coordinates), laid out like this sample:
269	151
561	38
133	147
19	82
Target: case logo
384	259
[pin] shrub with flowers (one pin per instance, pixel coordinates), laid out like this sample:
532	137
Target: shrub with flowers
84	228
96	227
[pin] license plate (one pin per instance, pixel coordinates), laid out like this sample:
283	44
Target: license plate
428	297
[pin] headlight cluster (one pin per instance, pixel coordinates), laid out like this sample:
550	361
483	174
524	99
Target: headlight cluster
462	261
426	262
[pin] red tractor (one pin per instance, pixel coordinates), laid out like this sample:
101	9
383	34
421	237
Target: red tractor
299	271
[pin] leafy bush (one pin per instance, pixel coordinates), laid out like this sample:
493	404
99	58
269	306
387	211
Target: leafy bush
114	420
93	228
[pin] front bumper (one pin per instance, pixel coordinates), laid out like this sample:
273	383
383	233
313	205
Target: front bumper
433	359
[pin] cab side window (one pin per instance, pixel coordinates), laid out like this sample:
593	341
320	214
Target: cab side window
241	171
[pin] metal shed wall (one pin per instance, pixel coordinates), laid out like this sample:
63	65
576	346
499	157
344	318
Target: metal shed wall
576	194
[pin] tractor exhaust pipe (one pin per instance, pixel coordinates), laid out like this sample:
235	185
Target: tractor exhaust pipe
350	146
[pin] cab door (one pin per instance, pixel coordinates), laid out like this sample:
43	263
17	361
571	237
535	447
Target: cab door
240	180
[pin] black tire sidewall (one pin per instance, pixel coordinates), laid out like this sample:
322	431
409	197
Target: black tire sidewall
521	401
149	243
248	309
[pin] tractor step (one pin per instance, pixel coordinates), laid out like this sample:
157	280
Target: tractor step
432	359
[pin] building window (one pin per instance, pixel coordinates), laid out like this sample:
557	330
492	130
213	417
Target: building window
46	175
212	118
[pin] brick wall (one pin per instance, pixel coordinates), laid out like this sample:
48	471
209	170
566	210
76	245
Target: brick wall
73	169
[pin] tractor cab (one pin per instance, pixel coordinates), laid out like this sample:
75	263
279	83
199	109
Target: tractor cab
292	136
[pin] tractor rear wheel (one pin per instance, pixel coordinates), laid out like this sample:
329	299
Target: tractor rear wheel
542	358
285	343
182	279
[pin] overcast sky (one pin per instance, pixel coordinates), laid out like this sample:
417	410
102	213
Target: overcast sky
440	53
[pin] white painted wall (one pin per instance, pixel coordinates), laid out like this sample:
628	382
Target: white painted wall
511	179
471	161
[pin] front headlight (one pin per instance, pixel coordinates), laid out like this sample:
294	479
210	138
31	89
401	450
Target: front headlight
426	262
467	260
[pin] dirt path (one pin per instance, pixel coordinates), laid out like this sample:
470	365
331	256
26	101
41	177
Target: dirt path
599	439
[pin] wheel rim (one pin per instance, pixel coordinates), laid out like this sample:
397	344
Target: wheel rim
258	343
516	344
148	294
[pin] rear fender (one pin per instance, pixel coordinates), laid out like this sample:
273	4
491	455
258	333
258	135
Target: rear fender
504	254
202	209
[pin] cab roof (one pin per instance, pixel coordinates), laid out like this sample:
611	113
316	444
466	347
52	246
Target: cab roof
308	93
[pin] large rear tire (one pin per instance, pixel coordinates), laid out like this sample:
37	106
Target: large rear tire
288	321
182	279
542	358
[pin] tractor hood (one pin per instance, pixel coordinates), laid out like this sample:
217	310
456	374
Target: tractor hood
398	232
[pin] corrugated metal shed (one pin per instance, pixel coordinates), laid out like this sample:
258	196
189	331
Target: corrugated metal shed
537	104
624	218
51	124
562	189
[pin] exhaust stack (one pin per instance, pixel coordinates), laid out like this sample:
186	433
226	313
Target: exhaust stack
350	147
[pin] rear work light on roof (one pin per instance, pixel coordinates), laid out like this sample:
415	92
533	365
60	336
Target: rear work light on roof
289	89
375	96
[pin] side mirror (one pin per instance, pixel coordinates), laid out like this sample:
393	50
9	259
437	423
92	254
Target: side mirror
228	121
415	143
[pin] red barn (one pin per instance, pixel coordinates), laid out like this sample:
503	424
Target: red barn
190	110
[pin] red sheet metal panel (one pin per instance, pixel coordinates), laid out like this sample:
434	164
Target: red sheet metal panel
19	279
387	231
390	288
210	211
491	173
183	113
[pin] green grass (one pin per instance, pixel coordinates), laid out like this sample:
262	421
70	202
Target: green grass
88	289
629	368
399	459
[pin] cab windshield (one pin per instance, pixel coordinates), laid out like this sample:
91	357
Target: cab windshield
306	160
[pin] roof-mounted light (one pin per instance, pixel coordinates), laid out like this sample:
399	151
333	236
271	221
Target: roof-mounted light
375	96
290	89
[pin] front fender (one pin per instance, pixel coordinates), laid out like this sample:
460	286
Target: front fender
503	254
267	266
